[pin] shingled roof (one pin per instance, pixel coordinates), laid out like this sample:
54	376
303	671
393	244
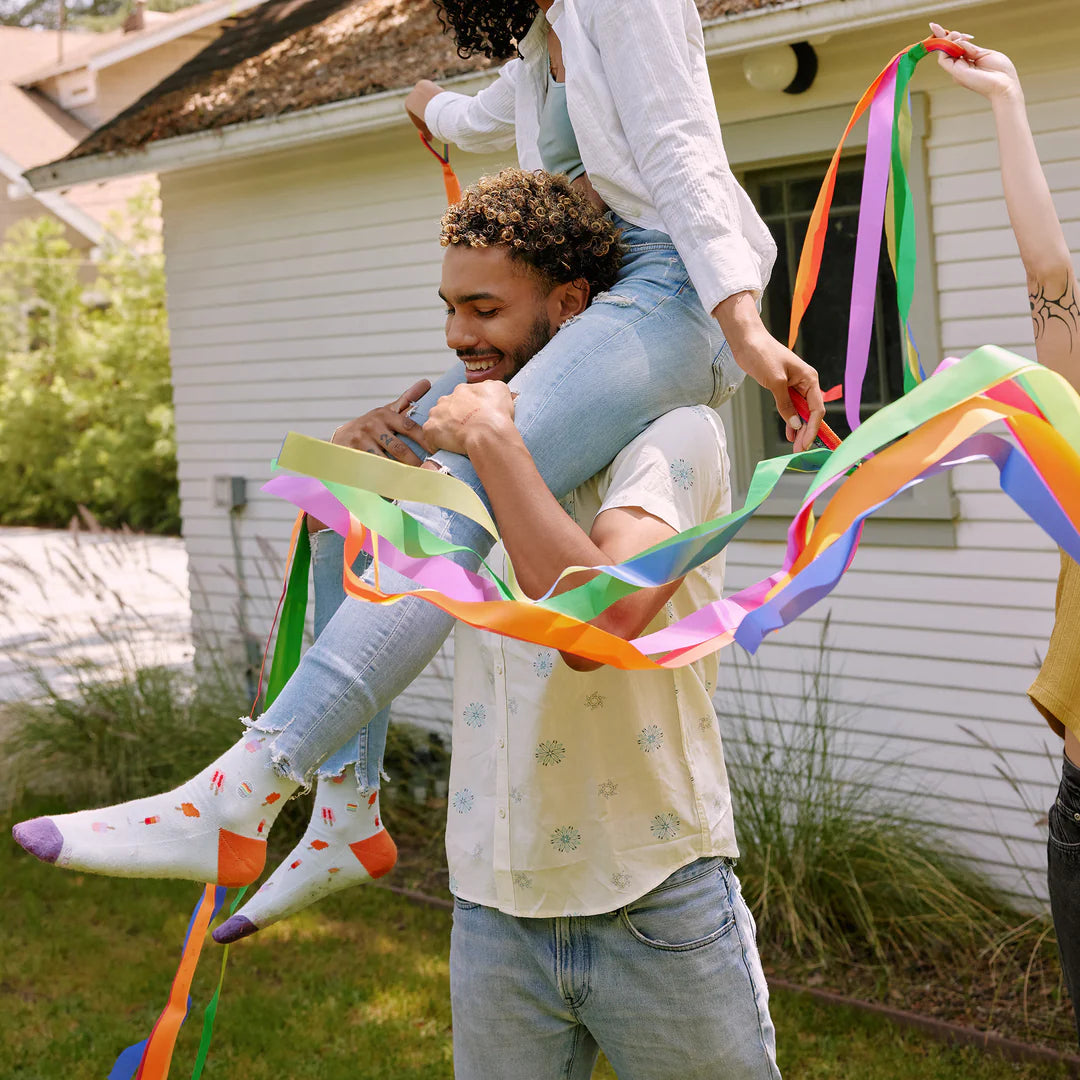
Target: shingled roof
289	55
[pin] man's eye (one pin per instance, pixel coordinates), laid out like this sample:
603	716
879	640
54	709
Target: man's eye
486	314
449	312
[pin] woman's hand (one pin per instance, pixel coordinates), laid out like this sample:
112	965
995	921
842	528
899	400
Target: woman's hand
772	365
989	73
416	103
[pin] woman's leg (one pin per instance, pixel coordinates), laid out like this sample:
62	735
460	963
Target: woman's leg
638	351
346	842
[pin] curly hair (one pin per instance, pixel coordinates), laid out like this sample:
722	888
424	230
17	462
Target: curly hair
543	221
490	27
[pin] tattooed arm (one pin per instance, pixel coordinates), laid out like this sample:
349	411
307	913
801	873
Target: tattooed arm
1052	288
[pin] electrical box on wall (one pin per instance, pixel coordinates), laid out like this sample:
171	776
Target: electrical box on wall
229	492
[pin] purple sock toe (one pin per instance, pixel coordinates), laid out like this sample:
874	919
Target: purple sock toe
40	837
233	929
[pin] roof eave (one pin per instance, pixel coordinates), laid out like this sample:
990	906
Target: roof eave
152	37
798	20
794	21
56	204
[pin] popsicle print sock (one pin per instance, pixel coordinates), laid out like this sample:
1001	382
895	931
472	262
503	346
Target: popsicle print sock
213	828
345	844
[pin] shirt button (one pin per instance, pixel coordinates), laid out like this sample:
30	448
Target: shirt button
502	812
498	669
502	743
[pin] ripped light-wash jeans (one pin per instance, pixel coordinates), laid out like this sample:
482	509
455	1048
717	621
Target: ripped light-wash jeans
670	987
638	351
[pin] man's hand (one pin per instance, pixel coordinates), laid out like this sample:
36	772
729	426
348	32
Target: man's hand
989	73
376	432
772	365
471	410
416	103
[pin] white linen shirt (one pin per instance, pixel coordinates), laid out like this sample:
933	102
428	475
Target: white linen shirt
642	108
574	793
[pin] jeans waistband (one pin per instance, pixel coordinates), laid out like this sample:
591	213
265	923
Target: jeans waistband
1070	772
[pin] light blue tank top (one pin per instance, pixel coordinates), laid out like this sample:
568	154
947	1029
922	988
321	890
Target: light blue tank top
558	143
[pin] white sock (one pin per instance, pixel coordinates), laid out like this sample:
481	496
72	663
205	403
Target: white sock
213	828
345	844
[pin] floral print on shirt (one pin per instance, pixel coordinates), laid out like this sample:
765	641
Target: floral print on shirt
550	752
474	714
595	700
463	801
682	474
566	838
666	826
544	664
608	789
651	738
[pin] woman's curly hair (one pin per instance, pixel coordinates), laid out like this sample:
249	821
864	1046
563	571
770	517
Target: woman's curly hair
488	27
546	224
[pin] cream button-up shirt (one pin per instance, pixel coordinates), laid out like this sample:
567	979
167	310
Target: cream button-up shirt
574	793
642	108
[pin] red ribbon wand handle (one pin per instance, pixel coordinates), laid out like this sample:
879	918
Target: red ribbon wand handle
450	180
825	433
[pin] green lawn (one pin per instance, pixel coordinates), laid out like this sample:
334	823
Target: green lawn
356	989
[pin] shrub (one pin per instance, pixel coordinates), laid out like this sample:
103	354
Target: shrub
831	871
86	411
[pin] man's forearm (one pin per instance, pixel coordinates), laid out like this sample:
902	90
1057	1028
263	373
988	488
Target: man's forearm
540	537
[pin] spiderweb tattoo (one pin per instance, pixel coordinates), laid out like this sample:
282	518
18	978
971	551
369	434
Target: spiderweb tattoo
1063	309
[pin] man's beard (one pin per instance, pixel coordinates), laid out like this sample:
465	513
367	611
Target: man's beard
540	333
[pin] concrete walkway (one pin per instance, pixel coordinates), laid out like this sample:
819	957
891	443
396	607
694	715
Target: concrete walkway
109	600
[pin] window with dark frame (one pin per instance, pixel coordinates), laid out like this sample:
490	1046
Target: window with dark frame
785	198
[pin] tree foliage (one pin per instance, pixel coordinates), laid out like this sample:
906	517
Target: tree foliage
86	413
78	14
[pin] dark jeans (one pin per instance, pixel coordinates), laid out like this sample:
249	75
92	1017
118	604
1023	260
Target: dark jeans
1063	875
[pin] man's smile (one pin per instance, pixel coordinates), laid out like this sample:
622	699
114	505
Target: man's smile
477	366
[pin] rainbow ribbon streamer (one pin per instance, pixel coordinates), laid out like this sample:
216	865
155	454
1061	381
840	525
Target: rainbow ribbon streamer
937	425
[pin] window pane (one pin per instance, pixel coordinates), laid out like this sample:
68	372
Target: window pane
823	337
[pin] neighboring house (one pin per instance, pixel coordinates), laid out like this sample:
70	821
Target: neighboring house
56	88
300	235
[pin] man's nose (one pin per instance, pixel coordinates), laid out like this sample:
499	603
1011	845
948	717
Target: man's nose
460	333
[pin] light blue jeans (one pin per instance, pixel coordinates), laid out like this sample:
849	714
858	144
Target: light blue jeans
363	751
638	351
669	987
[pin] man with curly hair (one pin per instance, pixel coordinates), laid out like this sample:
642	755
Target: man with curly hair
589	835
589	829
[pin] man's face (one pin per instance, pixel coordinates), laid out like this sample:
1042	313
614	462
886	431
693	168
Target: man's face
498	315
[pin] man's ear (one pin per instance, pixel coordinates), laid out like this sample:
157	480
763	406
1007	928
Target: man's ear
572	298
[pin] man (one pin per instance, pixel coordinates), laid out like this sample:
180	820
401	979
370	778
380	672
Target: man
589	832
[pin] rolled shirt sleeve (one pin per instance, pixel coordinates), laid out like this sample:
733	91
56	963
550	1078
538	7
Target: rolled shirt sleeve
478	123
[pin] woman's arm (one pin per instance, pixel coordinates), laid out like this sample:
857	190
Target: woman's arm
1051	276
477	123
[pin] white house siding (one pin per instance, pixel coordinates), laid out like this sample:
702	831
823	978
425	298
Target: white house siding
302	292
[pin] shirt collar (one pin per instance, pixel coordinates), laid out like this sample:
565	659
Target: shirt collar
533	46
